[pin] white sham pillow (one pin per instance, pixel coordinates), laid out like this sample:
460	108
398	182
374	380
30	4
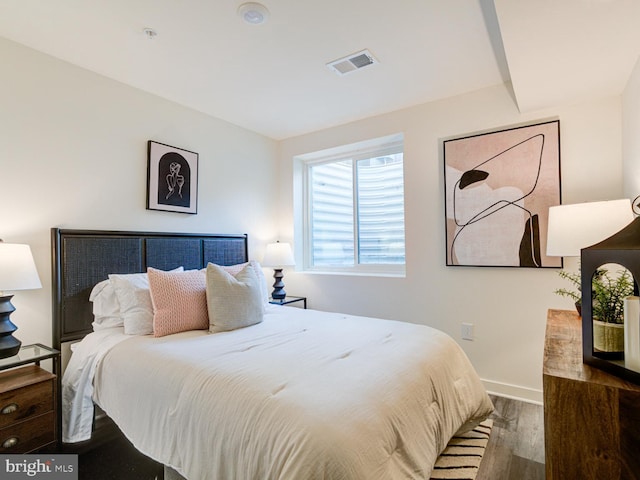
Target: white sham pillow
264	290
106	308
233	301
132	291
257	268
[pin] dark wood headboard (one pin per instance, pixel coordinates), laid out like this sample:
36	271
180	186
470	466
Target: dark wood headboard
82	258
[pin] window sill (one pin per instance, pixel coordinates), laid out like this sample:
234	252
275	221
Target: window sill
356	273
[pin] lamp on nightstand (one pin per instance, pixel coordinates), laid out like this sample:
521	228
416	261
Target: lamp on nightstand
278	255
604	234
576	226
17	272
579	225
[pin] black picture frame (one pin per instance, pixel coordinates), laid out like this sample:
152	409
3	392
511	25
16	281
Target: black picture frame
499	186
172	179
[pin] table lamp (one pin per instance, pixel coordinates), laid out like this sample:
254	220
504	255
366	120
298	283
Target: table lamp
602	233
17	272
278	255
579	225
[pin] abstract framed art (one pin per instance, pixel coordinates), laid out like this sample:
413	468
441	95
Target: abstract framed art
172	179
498	190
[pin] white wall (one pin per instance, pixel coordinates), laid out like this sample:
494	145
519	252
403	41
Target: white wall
73	149
507	305
73	154
631	134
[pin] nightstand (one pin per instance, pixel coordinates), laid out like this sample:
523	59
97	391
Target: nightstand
288	300
591	418
28	400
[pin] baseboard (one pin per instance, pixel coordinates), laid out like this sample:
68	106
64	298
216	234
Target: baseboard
516	392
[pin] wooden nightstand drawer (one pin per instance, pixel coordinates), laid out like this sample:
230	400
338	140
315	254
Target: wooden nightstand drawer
26	402
23	437
27	409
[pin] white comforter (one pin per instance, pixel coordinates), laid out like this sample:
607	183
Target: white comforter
304	395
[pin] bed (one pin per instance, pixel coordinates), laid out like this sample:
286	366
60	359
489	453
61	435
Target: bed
300	394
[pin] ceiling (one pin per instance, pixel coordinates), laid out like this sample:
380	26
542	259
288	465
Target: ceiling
273	78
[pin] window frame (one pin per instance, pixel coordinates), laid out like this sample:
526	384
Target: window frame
355	152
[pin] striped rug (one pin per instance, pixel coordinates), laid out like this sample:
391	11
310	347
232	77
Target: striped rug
461	459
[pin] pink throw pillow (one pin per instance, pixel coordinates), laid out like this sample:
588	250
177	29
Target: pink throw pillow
179	301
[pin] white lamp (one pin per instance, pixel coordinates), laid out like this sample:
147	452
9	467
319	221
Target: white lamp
17	272
580	225
278	255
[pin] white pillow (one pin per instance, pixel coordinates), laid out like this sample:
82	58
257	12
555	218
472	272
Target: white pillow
233	301
132	291
262	282
106	308
104	300
264	290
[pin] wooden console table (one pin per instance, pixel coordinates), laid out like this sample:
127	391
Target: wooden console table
591	418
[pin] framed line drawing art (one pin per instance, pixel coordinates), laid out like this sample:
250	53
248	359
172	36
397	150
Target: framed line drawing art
498	190
172	179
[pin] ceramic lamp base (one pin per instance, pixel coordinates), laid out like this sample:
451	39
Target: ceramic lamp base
9	345
278	286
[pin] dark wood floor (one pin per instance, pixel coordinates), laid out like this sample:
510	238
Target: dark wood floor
117	460
515	450
516	445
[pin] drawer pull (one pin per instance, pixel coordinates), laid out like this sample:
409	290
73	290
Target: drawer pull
12	407
10	442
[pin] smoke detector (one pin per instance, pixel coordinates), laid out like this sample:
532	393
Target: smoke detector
352	62
253	13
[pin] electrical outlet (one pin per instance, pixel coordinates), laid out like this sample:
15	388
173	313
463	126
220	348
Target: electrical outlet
467	331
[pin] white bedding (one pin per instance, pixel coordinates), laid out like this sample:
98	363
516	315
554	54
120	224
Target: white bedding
302	395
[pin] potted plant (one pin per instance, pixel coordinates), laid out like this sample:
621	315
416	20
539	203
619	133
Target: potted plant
575	295
609	292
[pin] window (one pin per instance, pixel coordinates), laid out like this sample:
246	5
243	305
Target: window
354	208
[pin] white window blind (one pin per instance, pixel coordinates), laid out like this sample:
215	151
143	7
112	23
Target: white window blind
355	210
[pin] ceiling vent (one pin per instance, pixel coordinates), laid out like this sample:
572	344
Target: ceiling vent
353	62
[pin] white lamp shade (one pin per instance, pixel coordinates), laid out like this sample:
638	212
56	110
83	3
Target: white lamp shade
278	255
580	225
17	268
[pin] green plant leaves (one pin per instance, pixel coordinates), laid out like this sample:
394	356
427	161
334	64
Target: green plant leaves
608	293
